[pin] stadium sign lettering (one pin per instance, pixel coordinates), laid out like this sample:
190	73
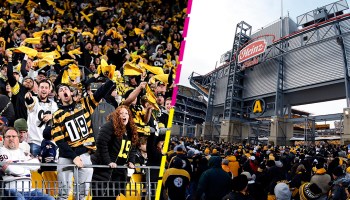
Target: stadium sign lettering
258	106
250	63
253	49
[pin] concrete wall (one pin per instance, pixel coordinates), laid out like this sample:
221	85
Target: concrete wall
346	123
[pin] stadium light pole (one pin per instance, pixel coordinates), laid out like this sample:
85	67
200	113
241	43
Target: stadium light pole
183	125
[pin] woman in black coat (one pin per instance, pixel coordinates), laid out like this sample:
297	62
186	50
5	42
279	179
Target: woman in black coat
115	142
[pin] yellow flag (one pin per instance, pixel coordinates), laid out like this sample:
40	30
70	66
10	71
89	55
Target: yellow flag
116	34
14	21
74	52
86	17
75	29
51	3
15	15
95	31
31	4
74	72
49	60
88	34
151	98
138	31
58	29
65	62
102	9
29	51
130	69
134	57
162	77
59	10
105	68
120	27
15	1
33	40
153	69
157	28
40	33
109	32
65	78
55	54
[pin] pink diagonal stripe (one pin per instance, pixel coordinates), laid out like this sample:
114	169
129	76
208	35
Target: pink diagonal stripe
173	98
182	50
178	72
186	27
189	6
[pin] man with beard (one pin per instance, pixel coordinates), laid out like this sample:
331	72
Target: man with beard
17	178
73	134
18	90
40	111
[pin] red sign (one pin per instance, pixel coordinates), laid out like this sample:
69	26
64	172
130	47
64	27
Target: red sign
253	49
250	63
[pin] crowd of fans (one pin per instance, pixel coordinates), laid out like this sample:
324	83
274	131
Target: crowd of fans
223	170
67	65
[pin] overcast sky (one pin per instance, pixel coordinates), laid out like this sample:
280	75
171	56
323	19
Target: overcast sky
212	26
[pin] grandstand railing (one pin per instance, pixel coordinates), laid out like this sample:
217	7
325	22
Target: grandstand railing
135	188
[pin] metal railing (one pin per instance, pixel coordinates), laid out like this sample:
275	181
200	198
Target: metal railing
111	188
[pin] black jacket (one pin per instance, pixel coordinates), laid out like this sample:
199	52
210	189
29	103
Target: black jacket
108	149
215	183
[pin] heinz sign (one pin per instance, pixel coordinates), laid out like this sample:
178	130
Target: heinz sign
253	49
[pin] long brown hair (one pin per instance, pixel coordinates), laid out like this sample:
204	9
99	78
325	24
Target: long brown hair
119	128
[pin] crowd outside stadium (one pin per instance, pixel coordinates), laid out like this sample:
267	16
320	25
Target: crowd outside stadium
224	170
63	60
72	68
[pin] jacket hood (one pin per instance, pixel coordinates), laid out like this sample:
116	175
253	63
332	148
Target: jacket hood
214	162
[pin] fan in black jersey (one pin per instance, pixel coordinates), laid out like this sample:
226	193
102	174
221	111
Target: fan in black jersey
73	134
115	142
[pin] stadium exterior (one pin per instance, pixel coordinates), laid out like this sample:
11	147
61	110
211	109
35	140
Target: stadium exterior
285	64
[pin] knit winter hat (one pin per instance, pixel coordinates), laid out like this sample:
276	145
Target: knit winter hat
177	163
21	125
282	192
309	191
47	133
239	182
338	171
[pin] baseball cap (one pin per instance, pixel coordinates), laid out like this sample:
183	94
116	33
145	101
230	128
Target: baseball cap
21	125
42	72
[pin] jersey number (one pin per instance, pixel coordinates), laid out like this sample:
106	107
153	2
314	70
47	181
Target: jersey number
77	128
124	149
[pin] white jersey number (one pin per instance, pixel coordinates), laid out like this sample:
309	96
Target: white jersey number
77	128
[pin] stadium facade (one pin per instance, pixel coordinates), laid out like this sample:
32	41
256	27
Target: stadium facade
190	109
284	64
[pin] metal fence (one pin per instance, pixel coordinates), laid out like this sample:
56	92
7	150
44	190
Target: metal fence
137	186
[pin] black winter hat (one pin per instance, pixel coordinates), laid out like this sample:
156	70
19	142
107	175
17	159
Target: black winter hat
239	182
338	171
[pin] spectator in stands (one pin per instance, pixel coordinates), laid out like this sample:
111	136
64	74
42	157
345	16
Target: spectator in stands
6	109
40	109
116	141
21	126
75	143
48	151
17	178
